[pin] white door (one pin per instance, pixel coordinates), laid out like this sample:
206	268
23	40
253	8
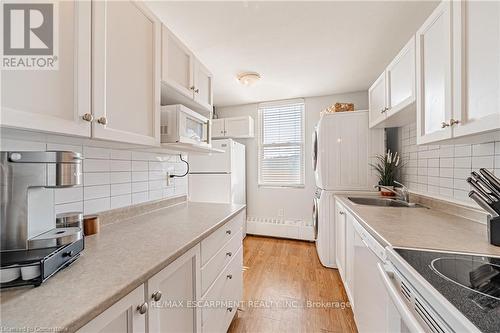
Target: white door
126	72
218	128
377	100
215	162
476	38
340	235
401	79
177	64
203	81
55	100
210	188
177	284
128	315
434	76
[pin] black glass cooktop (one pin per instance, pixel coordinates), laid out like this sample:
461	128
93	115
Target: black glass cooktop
471	283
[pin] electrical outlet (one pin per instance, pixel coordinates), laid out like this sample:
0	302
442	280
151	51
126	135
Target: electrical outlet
168	179
281	212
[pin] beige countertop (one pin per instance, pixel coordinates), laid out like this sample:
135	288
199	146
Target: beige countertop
422	228
116	261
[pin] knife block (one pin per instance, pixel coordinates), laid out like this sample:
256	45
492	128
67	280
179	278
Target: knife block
494	230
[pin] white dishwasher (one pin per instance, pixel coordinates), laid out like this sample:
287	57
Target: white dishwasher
372	307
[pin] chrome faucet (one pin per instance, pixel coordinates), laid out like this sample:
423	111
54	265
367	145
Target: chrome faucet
402	192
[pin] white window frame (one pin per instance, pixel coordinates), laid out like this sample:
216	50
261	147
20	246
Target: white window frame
260	144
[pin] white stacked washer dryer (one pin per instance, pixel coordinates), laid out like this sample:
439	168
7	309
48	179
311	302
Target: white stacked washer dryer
343	147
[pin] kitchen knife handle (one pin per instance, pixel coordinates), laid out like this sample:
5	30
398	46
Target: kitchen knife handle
492	179
474	196
479	191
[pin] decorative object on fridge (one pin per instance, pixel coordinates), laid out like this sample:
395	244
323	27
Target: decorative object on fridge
339	107
387	167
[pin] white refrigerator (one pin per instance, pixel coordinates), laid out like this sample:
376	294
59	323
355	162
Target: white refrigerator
219	177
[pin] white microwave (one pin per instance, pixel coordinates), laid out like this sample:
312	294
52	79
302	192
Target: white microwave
180	124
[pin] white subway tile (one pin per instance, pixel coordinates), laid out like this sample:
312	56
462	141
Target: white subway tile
139	166
422	171
420	188
142	156
446	192
422	163
118	165
120	189
446	172
433	181
433	172
120	177
156	194
69	194
21	145
461	173
156	175
446	182
155	166
140	197
121	201
482	162
446	151
497	148
97	153
446	162
168	192
422	179
433	163
461	184
119	154
139	187
96	178
497	172
96	205
64	147
155	185
463	162
497	161
483	149
433	189
69	207
95	165
139	176
95	192
461	195
463	151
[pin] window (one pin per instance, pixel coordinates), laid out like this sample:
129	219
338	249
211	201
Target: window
281	143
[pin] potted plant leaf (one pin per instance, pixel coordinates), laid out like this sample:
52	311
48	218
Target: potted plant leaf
387	167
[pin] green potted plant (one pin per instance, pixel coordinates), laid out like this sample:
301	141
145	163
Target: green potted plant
387	167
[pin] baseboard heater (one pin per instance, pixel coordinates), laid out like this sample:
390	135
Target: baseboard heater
280	228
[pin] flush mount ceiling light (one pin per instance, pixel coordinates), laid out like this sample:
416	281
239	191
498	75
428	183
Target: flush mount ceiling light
248	78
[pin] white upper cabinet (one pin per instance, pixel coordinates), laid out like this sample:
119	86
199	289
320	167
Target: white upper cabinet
185	79
233	127
126	72
177	64
377	101
400	76
55	100
203	93
392	95
434	101
476	40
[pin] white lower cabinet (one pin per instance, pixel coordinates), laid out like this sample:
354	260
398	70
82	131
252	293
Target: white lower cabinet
173	299
123	316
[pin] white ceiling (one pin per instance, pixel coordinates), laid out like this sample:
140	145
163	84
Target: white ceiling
300	48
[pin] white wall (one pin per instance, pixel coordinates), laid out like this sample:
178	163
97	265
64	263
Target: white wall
296	203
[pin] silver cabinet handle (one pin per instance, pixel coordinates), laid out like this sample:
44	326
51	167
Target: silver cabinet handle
229	254
229	276
454	122
191	88
156	296
228	232
88	117
444	125
102	120
341	213
143	308
197	90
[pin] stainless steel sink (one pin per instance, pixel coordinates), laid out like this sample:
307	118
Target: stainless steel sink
383	202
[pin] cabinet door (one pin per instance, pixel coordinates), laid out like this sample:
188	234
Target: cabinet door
54	100
476	37
239	127
377	100
174	287
349	257
401	79
434	76
126	72
218	128
123	316
340	238
203	81
177	64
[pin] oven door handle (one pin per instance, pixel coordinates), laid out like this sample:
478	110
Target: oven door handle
407	316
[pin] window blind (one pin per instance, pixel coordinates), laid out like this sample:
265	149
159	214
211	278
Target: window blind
281	143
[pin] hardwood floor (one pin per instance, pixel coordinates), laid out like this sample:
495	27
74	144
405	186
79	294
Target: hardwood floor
280	277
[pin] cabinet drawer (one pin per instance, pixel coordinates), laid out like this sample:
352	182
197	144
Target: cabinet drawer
218	318
214	267
215	241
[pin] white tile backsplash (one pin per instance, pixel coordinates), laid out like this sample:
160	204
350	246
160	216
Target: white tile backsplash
112	178
447	165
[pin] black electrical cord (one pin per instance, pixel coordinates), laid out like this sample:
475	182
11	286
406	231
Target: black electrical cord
187	168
